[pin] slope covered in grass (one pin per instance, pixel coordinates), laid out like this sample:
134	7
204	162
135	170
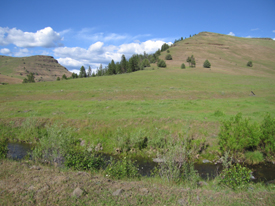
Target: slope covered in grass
45	68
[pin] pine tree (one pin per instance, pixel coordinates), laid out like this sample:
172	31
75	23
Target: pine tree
89	73
29	79
206	64
64	77
82	72
183	66
123	64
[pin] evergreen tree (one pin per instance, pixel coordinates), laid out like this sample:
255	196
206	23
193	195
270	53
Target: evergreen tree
168	57
58	79
183	66
146	63
89	73
29	79
82	72
249	64
164	47
118	68
161	63
188	60
64	77
206	64
123	64
112	68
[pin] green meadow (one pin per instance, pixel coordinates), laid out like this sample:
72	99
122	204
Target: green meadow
172	99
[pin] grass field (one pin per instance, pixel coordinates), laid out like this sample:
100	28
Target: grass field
166	98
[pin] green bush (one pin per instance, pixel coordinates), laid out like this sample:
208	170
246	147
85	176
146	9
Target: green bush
206	64
168	57
161	63
236	176
82	160
182	66
255	157
238	135
3	149
54	145
249	64
119	169
168	51
268	135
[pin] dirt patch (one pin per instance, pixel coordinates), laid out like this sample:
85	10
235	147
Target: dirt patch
54	186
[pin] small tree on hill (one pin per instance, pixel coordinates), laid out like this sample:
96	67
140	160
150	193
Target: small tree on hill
188	60
206	64
82	72
58	79
64	77
29	79
164	47
161	63
182	66
249	64
168	57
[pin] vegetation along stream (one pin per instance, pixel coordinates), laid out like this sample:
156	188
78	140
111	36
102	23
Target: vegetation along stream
261	172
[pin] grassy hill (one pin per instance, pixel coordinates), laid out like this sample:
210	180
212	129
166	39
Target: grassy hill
227	54
45	68
169	98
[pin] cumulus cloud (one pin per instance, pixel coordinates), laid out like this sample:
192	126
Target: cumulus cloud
255	29
46	37
274	31
274	39
231	34
5	51
99	53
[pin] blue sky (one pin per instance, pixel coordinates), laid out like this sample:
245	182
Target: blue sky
92	32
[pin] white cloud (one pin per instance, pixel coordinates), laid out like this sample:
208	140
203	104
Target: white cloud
231	34
46	37
22	53
255	29
274	39
5	51
97	53
274	31
87	34
249	36
75	71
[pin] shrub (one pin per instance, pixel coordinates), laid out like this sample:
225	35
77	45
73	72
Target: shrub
82	160
239	135
54	145
249	64
168	51
176	165
168	57
58	79
161	63
268	135
182	66
119	169
206	64
236	177
255	157
3	149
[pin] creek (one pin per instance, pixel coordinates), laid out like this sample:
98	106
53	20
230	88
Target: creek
262	172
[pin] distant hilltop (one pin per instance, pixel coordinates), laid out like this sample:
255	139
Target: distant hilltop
45	68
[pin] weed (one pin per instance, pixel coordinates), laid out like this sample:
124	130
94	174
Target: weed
123	168
236	177
255	157
3	149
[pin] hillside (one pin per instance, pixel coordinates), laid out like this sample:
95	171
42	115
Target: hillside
45	68
227	54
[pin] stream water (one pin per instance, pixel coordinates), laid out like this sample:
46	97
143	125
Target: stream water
262	172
